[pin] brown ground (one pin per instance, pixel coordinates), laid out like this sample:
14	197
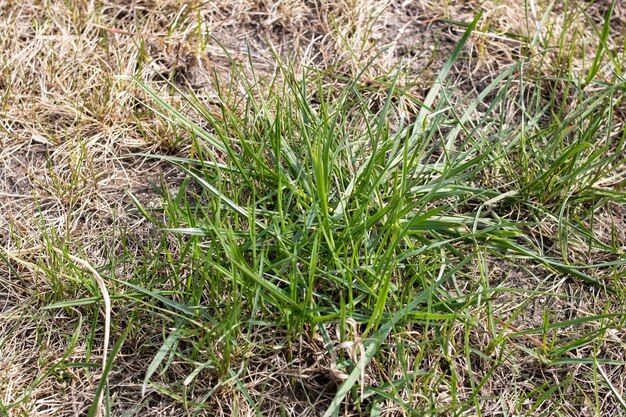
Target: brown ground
69	120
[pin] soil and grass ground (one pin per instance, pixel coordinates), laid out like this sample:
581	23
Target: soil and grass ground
307	208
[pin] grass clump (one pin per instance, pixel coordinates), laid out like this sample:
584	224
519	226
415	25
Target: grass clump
309	216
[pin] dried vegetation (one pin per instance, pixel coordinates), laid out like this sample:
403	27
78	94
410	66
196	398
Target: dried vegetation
72	122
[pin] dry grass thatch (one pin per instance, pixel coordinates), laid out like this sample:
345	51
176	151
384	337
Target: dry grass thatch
72	119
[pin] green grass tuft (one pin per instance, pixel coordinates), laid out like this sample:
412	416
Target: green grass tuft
305	206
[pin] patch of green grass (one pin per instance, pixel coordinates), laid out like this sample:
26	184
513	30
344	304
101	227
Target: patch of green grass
304	206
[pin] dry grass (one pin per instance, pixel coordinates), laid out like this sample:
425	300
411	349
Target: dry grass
71	116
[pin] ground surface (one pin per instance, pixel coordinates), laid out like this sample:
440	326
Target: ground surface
72	121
